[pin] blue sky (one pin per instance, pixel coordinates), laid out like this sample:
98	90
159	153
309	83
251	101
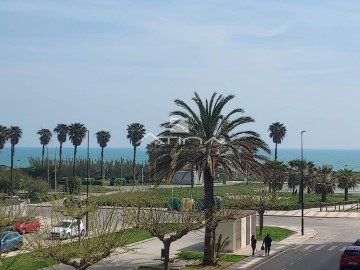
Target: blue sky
108	63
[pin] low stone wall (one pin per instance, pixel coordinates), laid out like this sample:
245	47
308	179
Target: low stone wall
13	208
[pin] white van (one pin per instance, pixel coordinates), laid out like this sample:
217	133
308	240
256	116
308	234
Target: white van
67	228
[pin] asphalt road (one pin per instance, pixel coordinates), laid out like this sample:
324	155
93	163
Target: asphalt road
322	252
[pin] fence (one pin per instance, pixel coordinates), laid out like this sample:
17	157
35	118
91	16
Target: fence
340	206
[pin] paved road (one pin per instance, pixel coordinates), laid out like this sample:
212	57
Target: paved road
321	252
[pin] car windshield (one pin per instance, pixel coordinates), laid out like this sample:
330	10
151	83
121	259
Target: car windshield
63	224
352	252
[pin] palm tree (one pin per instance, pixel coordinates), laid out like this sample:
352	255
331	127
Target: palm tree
103	137
45	137
136	133
152	152
277	133
326	181
62	131
277	175
15	134
211	142
347	179
4	136
77	133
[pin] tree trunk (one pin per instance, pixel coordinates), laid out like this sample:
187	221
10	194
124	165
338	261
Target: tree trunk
42	155
134	160
60	160
323	193
11	169
275	151
102	162
167	254
209	244
346	193
261	222
75	148
192	178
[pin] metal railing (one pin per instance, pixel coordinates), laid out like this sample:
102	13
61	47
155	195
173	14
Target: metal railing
340	206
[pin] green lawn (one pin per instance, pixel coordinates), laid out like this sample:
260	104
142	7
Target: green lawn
276	233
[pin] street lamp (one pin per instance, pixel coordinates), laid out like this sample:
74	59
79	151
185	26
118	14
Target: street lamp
55	180
48	169
302	185
87	183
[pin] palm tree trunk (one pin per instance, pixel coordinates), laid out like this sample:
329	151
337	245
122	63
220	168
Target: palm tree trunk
102	162
74	161
11	169
261	222
209	249
276	151
192	178
323	193
42	155
134	160
346	193
60	160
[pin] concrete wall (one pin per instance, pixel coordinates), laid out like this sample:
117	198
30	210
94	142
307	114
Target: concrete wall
238	230
18	208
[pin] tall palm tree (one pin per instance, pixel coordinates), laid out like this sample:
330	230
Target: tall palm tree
347	179
4	136
45	137
136	132
77	133
15	134
277	133
152	152
62	131
103	137
212	142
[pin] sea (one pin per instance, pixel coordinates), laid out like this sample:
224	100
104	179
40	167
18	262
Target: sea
337	158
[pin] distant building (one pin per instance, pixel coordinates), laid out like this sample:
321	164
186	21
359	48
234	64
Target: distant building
184	178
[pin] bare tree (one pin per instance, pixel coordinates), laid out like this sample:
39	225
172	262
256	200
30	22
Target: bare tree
109	230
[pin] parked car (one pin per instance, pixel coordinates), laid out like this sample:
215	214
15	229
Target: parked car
356	243
350	258
10	241
67	228
28	224
74	200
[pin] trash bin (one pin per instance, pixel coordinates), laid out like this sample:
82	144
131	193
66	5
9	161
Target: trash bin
175	204
162	254
200	203
187	204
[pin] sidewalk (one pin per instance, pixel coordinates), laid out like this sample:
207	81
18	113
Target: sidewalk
314	212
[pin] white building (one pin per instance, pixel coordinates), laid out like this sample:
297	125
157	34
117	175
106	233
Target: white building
184	178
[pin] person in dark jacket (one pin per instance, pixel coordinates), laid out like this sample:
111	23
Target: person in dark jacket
267	243
253	244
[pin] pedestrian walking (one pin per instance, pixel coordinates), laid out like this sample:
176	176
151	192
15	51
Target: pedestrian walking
267	243
253	244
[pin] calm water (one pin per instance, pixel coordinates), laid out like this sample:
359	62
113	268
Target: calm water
23	153
338	158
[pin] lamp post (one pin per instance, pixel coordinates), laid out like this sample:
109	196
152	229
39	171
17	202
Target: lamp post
87	183
55	180
48	168
302	185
